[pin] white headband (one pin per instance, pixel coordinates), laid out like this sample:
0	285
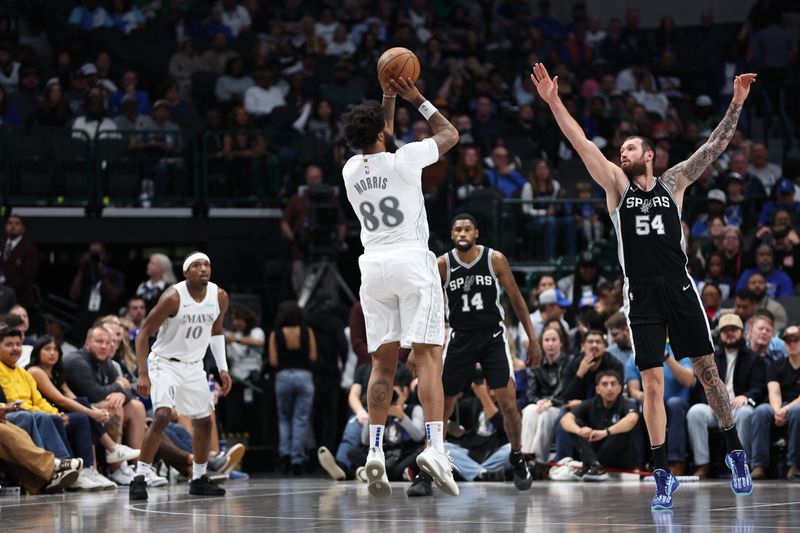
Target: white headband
194	257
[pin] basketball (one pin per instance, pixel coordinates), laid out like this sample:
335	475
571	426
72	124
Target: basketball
396	63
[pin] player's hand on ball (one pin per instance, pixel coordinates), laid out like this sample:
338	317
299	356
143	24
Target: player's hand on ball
143	386
227	382
405	88
741	86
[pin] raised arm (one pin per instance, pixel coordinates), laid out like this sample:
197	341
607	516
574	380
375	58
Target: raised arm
444	134
685	173
388	111
608	175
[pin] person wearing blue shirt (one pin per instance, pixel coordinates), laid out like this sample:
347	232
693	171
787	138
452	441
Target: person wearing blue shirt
503	176
678	381
779	284
89	16
784	193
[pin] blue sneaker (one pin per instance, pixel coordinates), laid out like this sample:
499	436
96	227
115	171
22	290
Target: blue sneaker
741	482
235	475
666	485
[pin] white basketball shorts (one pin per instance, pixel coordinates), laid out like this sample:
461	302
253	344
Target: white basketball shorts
182	386
402	297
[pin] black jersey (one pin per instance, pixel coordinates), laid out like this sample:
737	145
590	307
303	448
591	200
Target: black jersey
472	291
649	234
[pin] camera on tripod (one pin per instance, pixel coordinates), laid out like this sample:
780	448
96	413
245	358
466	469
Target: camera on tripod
322	229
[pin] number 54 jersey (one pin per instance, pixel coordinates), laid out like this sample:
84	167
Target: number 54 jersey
385	190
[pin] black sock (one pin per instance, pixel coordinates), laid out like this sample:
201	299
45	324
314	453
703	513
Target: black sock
732	438
660	457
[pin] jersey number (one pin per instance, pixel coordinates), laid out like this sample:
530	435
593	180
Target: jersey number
391	216
477	302
644	224
194	333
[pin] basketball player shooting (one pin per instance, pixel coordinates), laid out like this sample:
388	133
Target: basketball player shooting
472	276
188	318
660	296
400	291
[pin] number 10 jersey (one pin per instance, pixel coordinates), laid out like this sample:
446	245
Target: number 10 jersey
186	335
472	291
649	234
385	190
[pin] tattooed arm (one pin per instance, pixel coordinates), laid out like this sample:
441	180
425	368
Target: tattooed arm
388	111
445	135
679	177
716	393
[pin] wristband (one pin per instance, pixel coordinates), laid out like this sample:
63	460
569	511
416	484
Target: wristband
608	432
390	96
218	351
427	109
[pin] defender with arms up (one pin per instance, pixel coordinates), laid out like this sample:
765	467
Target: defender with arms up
660	295
400	292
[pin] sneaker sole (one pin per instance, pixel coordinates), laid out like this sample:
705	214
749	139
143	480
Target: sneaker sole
735	492
595	479
447	486
524	484
65	481
234	457
327	462
376	484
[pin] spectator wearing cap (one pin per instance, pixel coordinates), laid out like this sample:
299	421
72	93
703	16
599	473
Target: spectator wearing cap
778	282
740	210
552	306
784	199
781	410
584	280
262	98
716	209
27	98
758	285
768	173
129	85
743	373
94	122
102	67
52	111
9	69
130	119
89	16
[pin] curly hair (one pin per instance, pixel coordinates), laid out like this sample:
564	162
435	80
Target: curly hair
362	124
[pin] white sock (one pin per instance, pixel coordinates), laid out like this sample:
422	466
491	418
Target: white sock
199	470
142	469
376	436
435	434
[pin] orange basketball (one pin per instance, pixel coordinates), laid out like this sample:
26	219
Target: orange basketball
396	63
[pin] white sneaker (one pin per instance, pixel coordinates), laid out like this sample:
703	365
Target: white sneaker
154	480
361	474
440	467
85	481
122	475
121	453
377	482
104	482
328	462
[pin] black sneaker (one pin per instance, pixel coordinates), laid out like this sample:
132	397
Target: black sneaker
203	486
579	473
522	476
595	473
137	491
421	486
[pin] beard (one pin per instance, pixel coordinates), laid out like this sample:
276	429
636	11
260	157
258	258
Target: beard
634	168
388	141
732	345
464	247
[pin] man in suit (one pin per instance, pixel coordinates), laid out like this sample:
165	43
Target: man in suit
19	262
744	374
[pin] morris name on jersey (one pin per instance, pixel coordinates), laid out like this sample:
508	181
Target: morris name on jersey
369	183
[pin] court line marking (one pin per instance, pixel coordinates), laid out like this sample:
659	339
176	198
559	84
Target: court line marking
756	506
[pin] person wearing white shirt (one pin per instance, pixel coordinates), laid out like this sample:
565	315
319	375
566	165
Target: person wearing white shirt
94	122
264	97
340	44
235	17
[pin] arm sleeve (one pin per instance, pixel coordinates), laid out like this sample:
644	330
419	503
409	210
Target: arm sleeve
414	425
83	383
418	155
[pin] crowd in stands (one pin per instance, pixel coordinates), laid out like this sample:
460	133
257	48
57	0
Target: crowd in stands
267	83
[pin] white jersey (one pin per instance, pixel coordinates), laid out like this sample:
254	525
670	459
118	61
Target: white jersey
186	335
385	191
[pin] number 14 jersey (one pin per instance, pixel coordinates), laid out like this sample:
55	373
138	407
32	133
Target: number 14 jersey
186	335
649	234
472	291
385	190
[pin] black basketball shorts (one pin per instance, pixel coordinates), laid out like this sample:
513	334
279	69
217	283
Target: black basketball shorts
465	348
661	308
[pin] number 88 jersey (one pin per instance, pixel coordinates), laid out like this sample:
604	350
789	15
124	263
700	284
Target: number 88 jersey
472	292
385	191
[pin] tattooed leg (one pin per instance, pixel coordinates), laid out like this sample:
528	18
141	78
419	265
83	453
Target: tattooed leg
717	394
379	391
